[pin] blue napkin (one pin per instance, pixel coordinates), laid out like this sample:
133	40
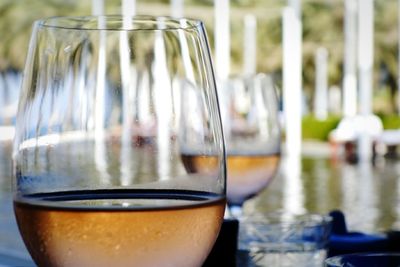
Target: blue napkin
344	242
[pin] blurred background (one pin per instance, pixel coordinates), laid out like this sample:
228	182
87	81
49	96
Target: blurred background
322	28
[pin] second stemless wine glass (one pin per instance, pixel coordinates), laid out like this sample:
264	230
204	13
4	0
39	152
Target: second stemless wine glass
249	109
253	136
102	128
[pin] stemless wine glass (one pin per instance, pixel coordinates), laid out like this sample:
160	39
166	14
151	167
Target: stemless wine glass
249	109
253	138
101	132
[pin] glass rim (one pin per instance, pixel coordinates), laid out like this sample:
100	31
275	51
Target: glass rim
135	23
337	260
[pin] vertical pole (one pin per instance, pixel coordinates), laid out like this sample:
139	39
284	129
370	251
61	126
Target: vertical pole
177	8
222	38
321	84
292	103
97	7
365	66
128	8
296	5
365	54
292	80
250	45
349	60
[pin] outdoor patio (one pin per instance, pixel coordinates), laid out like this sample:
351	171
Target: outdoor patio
333	64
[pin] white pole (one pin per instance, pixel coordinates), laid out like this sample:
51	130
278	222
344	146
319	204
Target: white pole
365	65
321	84
250	45
177	8
222	38
292	81
128	8
97	7
335	100
349	60
296	5
365	53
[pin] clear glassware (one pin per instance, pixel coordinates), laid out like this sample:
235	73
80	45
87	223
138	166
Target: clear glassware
249	110
253	137
100	177
283	239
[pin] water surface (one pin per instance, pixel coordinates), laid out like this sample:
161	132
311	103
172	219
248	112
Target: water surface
368	194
